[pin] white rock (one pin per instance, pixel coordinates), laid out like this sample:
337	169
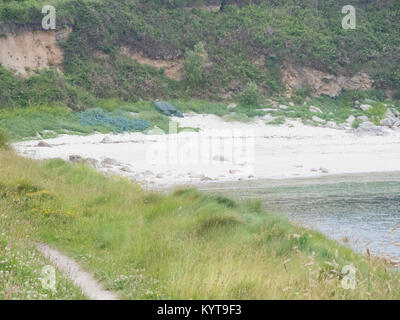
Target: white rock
315	109
318	119
106	139
365	107
331	125
368	127
109	162
231	105
268	118
282	106
389	114
389	122
363	118
350	119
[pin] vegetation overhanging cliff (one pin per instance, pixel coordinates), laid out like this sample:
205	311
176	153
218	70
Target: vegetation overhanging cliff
220	52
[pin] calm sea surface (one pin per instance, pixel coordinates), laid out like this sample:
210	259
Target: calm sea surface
360	211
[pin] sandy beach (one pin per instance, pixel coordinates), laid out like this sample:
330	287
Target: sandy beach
226	151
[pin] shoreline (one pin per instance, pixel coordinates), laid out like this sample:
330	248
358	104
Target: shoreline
360	177
223	152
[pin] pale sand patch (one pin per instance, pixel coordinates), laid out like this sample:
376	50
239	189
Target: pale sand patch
82	279
279	152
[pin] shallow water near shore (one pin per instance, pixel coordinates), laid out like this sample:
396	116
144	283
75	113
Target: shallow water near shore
356	210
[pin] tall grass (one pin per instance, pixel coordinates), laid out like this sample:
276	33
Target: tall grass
183	245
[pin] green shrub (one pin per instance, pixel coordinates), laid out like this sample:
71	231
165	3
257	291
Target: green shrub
356	123
377	113
250	96
194	64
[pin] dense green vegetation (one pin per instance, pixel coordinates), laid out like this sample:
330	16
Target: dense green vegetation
183	245
21	264
244	43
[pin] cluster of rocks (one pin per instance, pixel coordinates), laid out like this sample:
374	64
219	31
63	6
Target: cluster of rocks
321	170
366	126
107	163
392	119
80	160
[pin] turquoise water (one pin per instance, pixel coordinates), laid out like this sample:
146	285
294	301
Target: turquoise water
358	214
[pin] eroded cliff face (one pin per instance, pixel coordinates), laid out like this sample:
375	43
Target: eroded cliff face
323	83
173	68
25	51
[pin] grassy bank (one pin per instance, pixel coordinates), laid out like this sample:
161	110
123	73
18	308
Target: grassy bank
183	245
21	265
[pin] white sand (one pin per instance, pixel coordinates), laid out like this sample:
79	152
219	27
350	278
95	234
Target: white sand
213	154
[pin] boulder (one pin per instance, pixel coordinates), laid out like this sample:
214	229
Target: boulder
315	109
332	125
390	122
318	119
106	139
44	144
365	107
350	119
78	159
283	107
268	118
93	162
395	112
389	113
109	162
231	105
363	118
75	158
368	127
323	170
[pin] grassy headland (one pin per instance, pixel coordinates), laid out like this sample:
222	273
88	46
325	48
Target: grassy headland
184	245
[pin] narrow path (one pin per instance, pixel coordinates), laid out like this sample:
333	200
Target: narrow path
82	279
